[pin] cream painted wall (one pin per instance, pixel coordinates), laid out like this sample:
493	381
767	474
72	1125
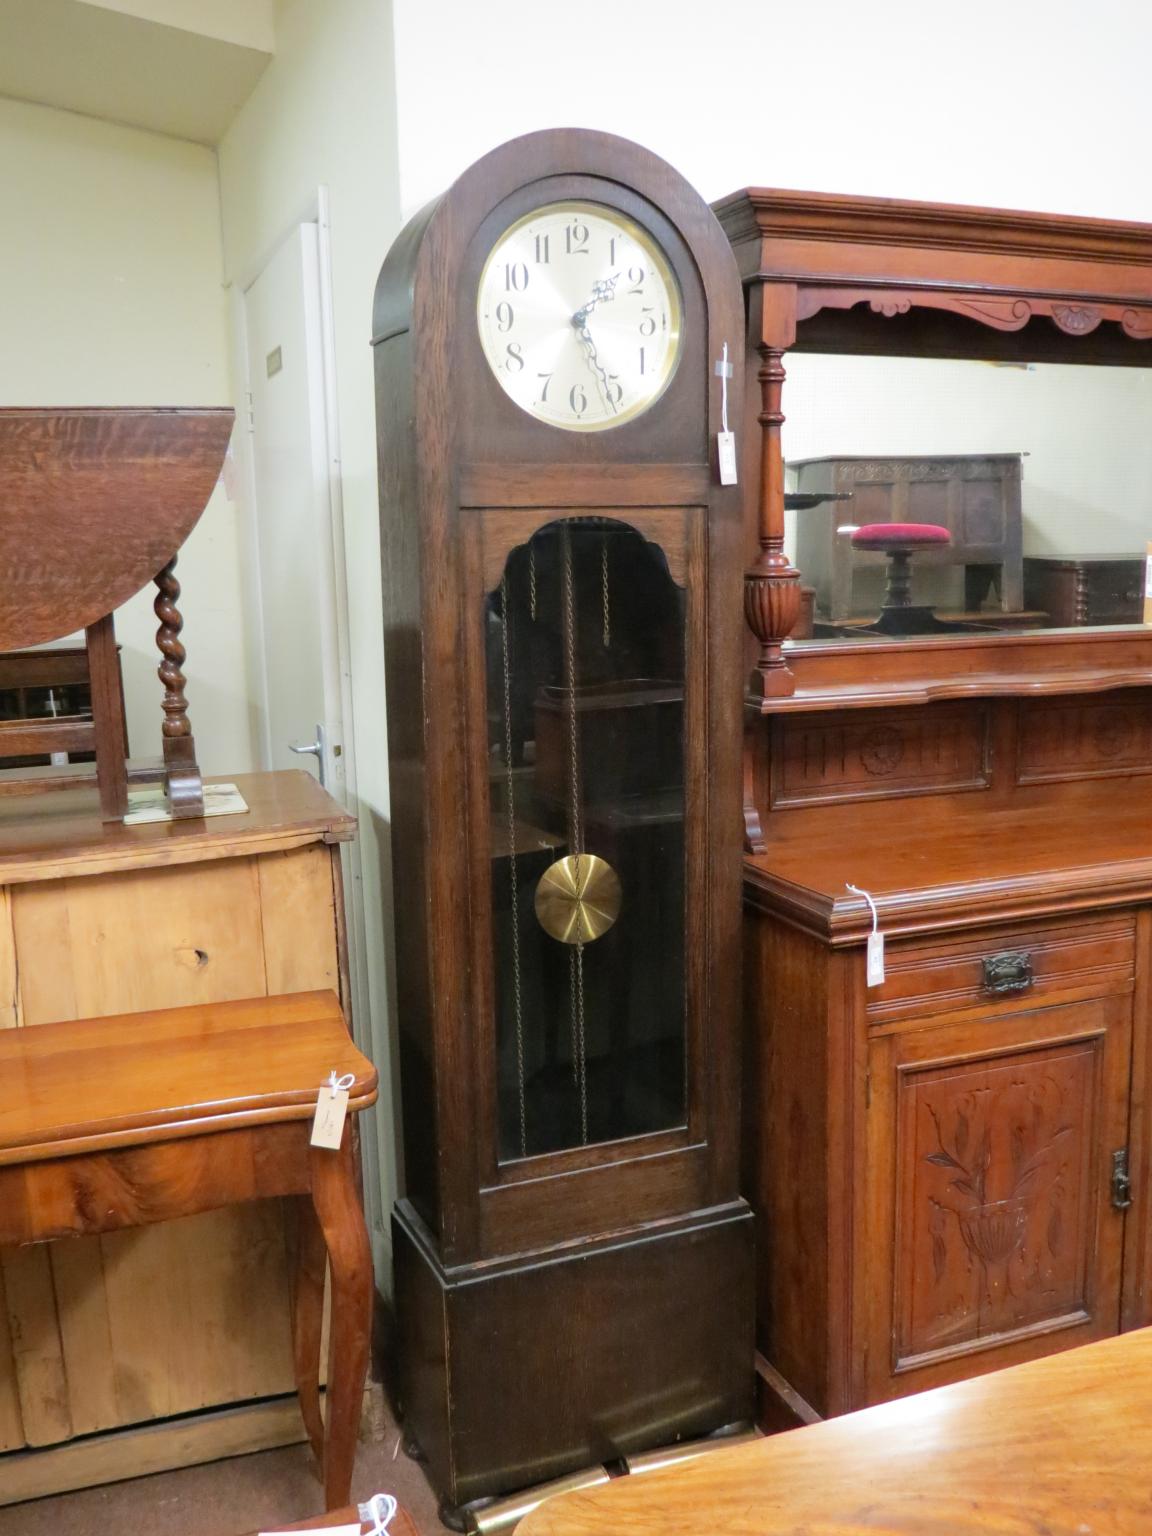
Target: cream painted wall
110	294
999	101
323	114
248	23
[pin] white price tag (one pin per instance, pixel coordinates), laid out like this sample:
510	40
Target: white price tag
725	440
726	453
331	1109
1147	615
875	954
315	1530
875	959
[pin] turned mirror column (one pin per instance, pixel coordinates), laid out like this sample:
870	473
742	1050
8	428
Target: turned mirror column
772	582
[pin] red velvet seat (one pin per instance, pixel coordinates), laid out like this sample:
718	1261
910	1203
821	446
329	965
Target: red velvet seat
884	536
900	541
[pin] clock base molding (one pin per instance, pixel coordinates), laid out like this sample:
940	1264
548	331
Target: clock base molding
518	1371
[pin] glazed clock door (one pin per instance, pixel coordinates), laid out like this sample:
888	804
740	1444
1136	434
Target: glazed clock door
589	686
991	1229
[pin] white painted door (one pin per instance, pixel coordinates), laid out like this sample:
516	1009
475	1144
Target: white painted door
299	681
297	586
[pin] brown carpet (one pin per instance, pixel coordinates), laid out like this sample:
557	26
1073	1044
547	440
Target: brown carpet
226	1498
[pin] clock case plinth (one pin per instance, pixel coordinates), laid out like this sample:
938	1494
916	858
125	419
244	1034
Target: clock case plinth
593	1299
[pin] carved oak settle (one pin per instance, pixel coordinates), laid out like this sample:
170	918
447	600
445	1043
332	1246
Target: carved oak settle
949	1168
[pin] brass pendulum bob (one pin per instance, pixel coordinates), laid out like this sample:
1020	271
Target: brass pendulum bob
578	898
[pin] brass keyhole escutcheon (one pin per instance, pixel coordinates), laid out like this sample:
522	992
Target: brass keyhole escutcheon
578	898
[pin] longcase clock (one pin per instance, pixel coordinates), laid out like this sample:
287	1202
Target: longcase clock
562	603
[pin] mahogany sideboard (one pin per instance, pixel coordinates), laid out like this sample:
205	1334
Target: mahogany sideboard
100	918
949	1168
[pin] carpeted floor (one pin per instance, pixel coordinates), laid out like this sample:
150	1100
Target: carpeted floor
226	1498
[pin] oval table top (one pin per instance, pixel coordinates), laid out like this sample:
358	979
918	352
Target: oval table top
1058	1447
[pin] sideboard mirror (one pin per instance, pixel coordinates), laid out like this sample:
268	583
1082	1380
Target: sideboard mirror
1039	475
972	385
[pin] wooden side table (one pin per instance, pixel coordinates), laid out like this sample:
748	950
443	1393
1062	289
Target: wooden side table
124	1121
1058	1445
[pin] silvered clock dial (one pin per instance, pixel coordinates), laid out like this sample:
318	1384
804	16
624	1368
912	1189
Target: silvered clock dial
580	316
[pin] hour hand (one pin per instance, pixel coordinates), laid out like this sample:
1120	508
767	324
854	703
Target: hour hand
601	291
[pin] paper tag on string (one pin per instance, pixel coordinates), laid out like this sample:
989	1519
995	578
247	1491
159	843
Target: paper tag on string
875	959
725	440
875	952
315	1530
726	451
1148	584
331	1108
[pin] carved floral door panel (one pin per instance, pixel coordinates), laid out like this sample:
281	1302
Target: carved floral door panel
990	1161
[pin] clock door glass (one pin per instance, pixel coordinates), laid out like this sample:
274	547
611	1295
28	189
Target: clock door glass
585	680
580	316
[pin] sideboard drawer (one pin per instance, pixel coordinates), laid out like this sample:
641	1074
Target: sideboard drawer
1006	967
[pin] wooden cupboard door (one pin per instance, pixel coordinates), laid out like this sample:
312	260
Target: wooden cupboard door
990	1235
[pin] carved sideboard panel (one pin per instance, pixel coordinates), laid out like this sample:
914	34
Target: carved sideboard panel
990	1147
1080	738
995	1217
818	759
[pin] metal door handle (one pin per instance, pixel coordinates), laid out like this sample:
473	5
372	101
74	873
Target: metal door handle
314	749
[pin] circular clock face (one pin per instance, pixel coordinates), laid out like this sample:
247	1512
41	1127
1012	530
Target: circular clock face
580	316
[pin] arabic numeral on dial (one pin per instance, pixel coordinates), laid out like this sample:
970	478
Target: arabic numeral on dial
542	257
576	239
505	316
636	276
612	251
577	400
547	377
648	324
642	368
615	389
515	360
515	277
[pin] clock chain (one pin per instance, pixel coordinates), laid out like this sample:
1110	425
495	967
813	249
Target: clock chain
510	796
605	606
575	830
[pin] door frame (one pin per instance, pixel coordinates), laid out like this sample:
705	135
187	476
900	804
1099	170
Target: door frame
343	784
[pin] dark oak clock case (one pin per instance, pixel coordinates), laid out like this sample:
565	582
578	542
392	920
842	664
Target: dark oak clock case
573	1259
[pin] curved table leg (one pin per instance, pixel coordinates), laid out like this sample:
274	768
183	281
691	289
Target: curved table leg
336	1199
308	1321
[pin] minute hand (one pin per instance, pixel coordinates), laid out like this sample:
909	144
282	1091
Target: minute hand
601	291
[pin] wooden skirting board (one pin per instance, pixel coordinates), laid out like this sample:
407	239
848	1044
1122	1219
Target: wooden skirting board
188	1441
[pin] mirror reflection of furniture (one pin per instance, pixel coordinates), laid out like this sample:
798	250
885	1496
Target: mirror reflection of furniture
898	542
975	497
1086	589
97	503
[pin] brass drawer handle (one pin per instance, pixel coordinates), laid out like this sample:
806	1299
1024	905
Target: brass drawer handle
1010	971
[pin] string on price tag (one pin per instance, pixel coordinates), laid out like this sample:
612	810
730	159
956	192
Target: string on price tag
331	1108
875	963
725	440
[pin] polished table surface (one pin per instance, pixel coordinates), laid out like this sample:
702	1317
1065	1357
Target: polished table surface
1057	1447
